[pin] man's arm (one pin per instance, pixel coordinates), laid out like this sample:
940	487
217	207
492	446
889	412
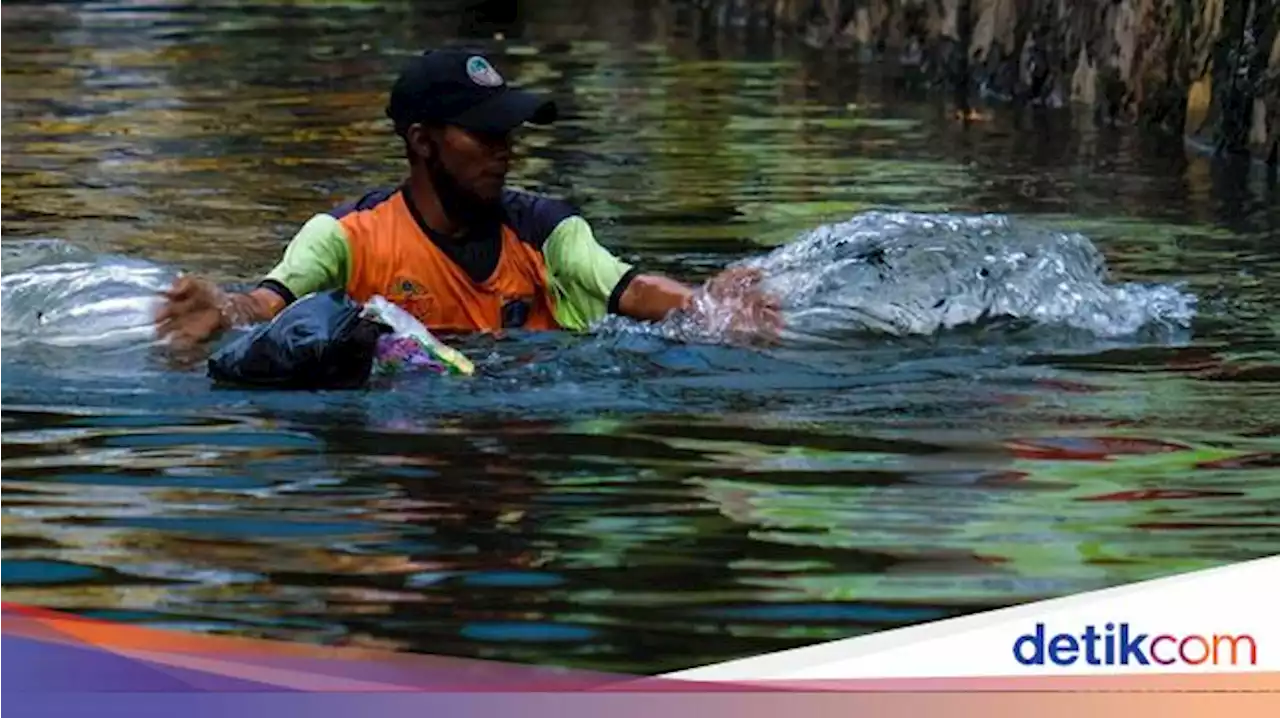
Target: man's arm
196	309
318	258
651	297
588	281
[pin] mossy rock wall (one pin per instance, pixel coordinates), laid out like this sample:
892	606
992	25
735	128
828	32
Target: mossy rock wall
1206	68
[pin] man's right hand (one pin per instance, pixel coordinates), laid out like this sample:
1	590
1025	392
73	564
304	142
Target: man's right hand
196	310
192	312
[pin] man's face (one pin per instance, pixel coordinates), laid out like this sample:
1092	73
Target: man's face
476	163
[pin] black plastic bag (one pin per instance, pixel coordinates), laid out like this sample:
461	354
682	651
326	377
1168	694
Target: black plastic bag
318	342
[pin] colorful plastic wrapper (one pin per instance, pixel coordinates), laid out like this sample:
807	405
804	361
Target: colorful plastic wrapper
411	346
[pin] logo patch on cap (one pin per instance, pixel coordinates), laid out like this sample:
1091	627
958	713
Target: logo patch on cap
482	73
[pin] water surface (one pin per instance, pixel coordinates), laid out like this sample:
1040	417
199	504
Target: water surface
640	498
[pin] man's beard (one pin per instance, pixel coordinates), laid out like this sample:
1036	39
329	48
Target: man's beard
461	205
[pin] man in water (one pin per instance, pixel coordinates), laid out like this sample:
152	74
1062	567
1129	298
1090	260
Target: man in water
452	245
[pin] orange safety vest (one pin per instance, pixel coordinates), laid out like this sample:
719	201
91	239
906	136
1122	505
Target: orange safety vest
392	255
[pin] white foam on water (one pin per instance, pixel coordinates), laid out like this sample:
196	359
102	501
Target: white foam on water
911	274
56	294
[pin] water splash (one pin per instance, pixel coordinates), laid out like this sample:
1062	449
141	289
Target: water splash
58	294
905	274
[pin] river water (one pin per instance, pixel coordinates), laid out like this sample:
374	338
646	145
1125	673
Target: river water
1026	357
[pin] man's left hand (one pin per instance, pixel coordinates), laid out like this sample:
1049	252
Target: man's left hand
755	315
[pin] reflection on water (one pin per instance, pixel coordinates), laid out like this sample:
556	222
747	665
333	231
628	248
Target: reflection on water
625	500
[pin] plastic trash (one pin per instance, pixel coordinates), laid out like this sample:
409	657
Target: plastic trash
327	340
410	345
320	341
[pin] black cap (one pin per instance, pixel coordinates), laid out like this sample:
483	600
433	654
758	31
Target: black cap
462	88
